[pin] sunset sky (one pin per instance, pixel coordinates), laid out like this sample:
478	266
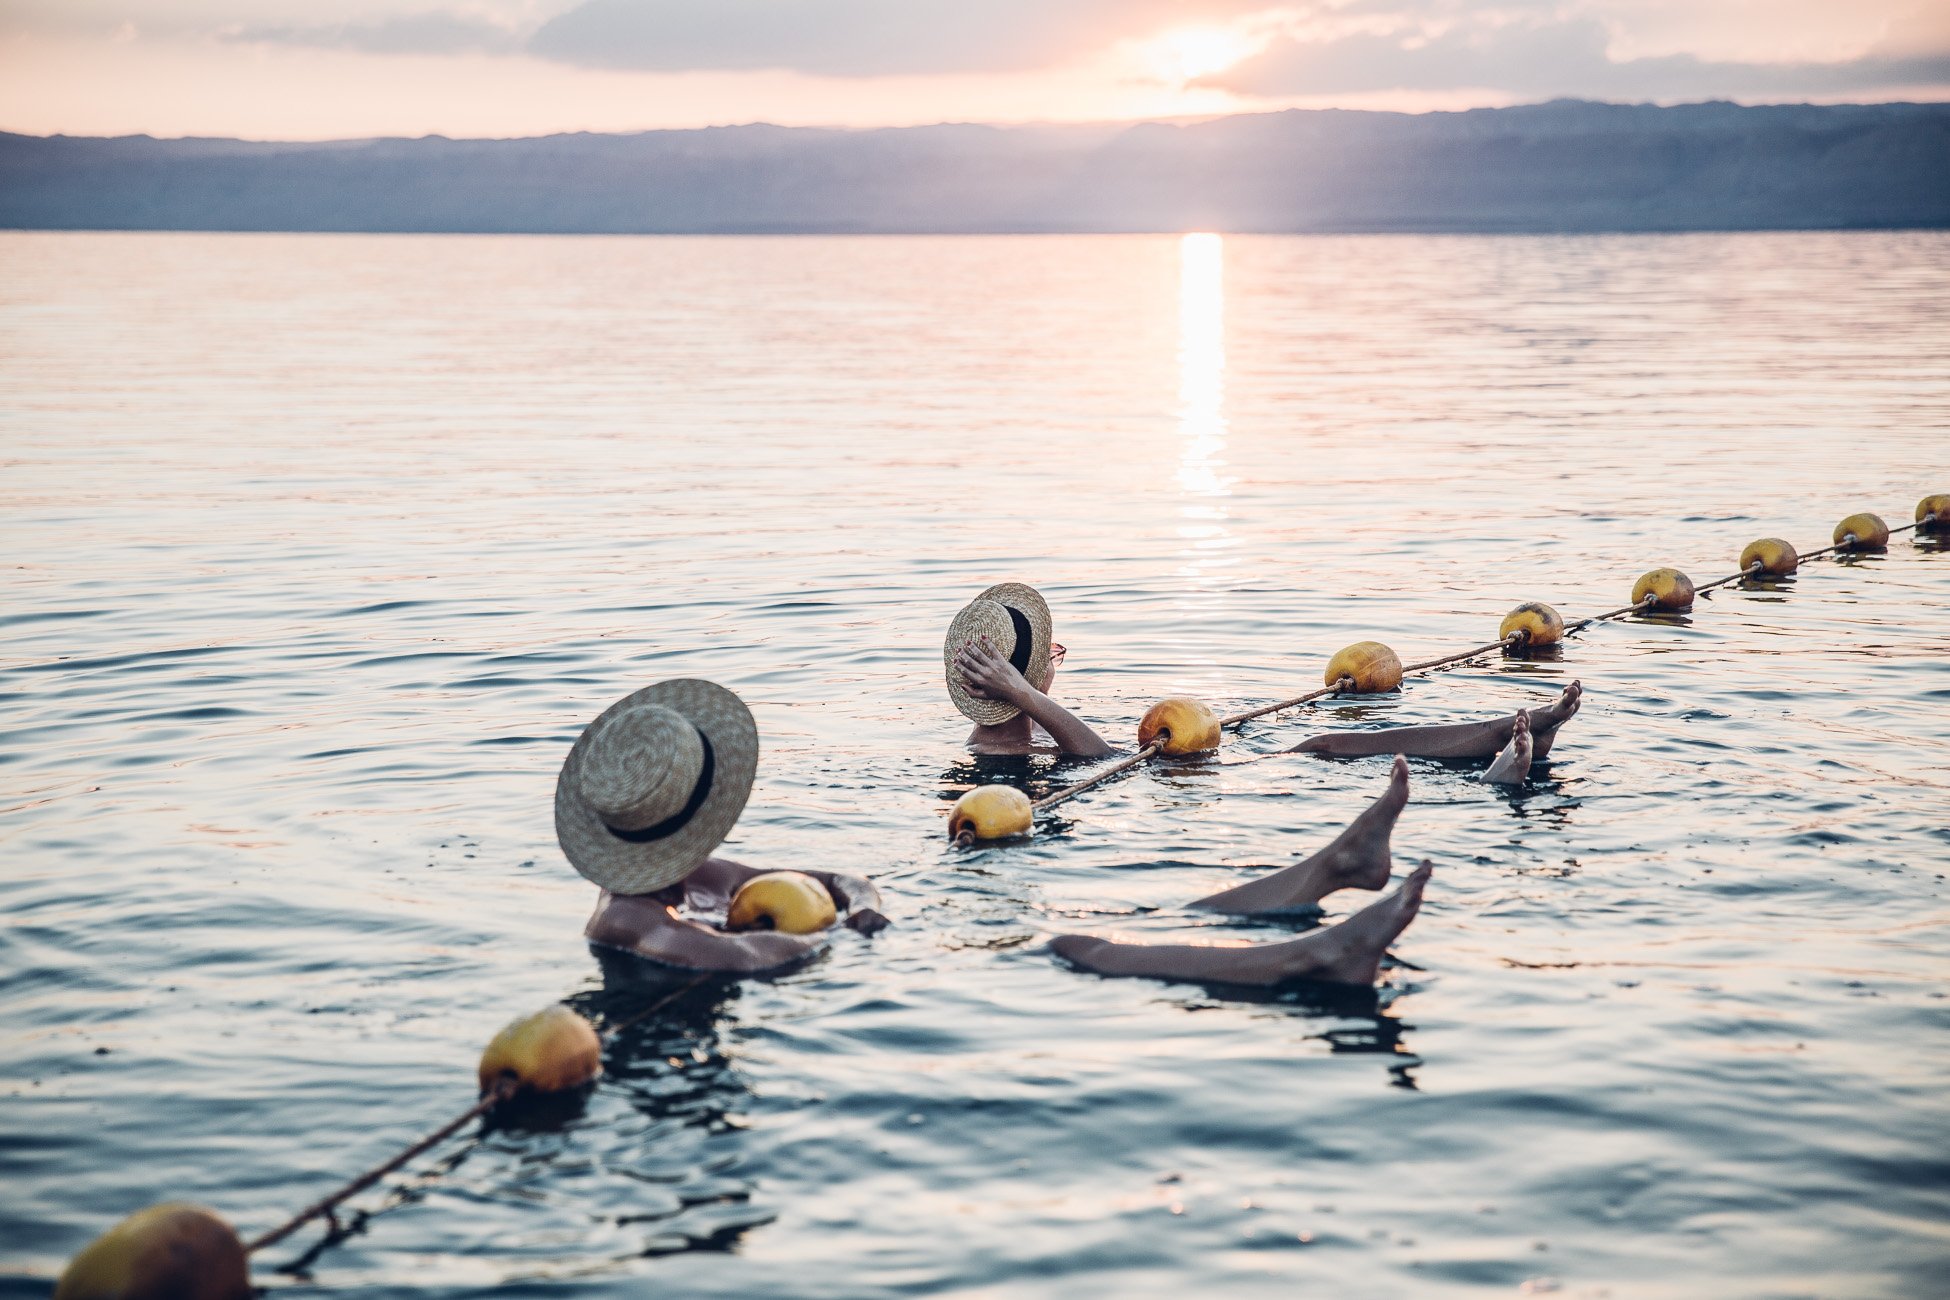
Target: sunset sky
282	69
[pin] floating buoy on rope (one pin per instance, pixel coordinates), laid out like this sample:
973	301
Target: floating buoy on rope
551	1051
789	901
1775	557
177	1251
1540	624
1666	589
172	1251
1368	667
1180	725
1862	532
990	812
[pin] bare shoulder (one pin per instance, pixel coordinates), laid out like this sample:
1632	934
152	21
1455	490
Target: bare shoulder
652	930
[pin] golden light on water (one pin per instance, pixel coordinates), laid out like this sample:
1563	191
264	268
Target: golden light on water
1205	538
1201	363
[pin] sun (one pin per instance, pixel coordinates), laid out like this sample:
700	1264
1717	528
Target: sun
1185	54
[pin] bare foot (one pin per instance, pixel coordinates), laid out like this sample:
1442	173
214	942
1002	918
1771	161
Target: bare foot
1450	740
1359	854
1544	722
1348	953
1512	766
1365	936
1357	859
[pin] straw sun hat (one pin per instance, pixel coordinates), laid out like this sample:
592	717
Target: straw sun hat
1015	619
655	783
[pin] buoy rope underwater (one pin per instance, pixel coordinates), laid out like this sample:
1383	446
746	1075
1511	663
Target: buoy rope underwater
1637	606
183	1251
1049	801
1157	747
985	813
1340	684
496	1092
325	1205
176	1249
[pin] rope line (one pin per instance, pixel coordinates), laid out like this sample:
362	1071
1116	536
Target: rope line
326	1204
1261	712
1510	642
1753	570
1849	539
1583	623
503	1090
1514	641
1049	801
612	1030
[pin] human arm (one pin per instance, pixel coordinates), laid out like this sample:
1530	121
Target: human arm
649	927
711	886
990	676
858	898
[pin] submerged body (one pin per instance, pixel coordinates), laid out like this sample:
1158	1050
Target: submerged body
990	676
649	925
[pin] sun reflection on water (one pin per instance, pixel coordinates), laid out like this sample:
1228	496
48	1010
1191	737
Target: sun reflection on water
1201	364
1205	537
1201	391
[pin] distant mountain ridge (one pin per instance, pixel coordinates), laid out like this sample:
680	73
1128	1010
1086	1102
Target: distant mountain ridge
1563	166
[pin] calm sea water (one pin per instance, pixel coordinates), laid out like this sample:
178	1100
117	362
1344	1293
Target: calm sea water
320	551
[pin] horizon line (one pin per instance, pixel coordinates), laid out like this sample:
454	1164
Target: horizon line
1195	119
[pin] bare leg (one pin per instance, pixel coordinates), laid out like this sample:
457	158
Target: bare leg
1357	859
1544	722
1454	740
1348	953
1512	766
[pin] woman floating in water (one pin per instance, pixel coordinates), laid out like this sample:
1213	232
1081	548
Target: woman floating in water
1347	953
1001	664
649	789
1513	743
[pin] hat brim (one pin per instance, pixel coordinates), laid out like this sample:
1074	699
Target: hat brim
626	867
988	615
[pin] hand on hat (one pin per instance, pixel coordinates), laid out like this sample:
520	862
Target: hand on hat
990	675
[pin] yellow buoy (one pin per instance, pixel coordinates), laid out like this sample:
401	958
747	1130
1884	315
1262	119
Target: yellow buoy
789	901
1933	513
1775	557
1863	532
172	1251
991	812
1372	666
1539	623
551	1051
1185	725
1670	590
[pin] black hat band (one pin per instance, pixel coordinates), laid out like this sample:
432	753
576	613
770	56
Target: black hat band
670	825
1025	640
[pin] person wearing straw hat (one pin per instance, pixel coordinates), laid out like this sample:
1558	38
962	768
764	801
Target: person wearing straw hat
1000	664
649	789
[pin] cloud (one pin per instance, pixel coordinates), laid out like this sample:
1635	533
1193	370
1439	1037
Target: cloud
1307	49
1542	55
425	33
858	38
